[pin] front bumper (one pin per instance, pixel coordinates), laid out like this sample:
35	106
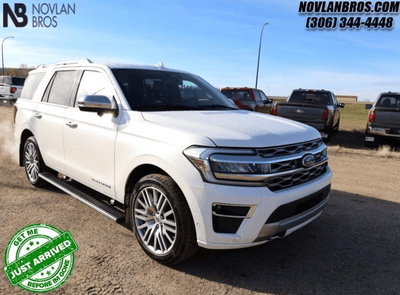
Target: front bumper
273	214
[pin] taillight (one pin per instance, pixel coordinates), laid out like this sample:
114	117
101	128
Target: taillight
371	117
13	90
325	114
274	110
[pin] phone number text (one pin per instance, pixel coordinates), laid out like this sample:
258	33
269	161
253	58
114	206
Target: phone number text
349	22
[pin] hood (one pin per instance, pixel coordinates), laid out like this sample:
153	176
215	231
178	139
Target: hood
236	128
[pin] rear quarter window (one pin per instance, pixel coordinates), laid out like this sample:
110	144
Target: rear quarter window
31	84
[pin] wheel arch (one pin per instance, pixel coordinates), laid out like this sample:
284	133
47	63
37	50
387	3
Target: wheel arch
24	136
145	169
136	174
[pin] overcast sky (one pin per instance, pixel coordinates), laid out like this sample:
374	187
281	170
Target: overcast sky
217	40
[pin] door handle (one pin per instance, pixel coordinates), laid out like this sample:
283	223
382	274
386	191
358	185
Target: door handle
72	125
37	116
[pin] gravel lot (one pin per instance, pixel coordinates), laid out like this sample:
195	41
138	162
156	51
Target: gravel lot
353	248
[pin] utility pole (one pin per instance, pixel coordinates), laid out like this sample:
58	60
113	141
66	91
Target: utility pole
2	55
259	52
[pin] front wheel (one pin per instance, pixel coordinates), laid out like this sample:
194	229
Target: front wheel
33	162
161	219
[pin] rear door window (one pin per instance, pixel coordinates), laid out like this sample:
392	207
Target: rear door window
62	87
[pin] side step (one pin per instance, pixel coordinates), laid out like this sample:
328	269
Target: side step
99	206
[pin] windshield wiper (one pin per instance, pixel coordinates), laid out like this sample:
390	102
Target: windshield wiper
162	107
173	107
218	107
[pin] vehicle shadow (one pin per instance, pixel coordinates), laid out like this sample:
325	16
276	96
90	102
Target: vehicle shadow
354	139
351	249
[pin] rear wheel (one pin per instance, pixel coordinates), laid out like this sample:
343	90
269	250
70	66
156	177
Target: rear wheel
162	221
336	128
33	163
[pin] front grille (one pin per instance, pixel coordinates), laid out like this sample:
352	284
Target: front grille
286	150
286	163
281	182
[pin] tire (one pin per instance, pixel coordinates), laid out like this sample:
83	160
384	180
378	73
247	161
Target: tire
33	163
161	219
327	139
336	129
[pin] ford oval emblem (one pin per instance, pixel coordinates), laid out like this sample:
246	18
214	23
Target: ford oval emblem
308	161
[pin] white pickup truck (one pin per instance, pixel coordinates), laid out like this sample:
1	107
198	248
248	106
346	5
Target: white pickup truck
10	89
173	157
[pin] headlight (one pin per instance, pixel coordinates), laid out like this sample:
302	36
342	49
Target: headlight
237	164
246	166
227	164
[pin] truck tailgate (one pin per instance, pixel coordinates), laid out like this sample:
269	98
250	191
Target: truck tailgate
302	112
387	117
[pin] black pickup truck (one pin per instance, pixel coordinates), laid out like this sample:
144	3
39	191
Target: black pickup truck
383	119
317	108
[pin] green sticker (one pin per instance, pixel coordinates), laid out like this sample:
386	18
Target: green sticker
39	258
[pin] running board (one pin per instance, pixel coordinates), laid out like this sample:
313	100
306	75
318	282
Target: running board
99	206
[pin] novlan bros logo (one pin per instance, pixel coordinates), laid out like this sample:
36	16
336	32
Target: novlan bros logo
19	11
44	15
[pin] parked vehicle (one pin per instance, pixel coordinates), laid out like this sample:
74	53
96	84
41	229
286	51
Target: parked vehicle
248	98
10	89
178	161
383	119
317	108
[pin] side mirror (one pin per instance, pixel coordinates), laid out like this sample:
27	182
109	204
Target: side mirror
341	105
95	103
368	106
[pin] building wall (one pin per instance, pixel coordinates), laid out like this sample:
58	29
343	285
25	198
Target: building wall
347	98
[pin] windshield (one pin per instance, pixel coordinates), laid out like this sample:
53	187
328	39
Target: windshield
150	90
237	94
319	97
389	101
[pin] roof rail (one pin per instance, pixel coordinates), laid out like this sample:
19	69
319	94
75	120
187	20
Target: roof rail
160	64
71	62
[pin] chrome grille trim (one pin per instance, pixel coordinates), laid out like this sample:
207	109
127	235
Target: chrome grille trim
293	179
291	149
286	169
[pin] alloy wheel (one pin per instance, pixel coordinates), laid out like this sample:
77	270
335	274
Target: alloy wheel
155	220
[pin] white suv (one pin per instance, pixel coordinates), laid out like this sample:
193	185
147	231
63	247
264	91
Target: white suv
171	155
